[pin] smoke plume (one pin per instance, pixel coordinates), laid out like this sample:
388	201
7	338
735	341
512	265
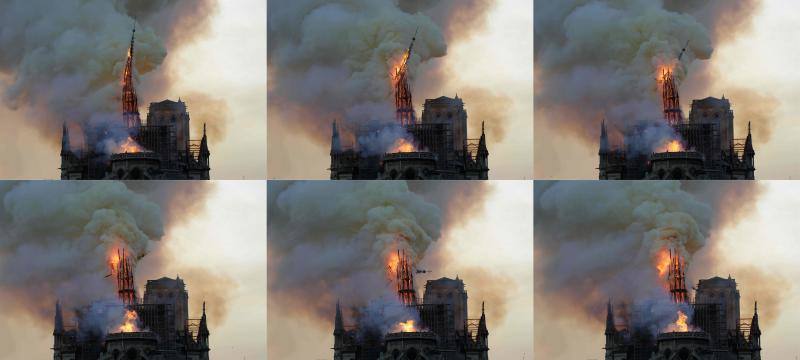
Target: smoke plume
331	241
65	59
600	58
600	238
332	59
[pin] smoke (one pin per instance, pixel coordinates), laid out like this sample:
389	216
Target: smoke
331	241
603	239
601	58
488	107
332	59
65	59
56	239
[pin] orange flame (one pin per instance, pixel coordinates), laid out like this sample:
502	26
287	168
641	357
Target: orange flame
406	326
662	262
402	145
392	262
129	146
680	325
672	146
129	325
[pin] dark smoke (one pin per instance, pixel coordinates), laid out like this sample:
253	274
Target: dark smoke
331	59
599	58
328	241
64	59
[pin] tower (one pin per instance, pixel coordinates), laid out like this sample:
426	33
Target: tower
58	329
755	333
402	92
483	155
677	278
611	331
130	104
749	156
338	329
202	332
125	286
603	152
405	280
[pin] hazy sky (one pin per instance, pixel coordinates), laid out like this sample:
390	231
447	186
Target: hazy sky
497	58
763	240
762	59
219	247
226	63
496	238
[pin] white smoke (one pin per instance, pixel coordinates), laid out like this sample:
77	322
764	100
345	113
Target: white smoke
56	237
601	58
603	238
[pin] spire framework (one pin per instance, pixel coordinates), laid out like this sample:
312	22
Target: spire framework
130	103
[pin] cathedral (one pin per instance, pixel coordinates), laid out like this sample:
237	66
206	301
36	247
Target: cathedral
714	330
439	328
160	148
705	149
435	147
160	328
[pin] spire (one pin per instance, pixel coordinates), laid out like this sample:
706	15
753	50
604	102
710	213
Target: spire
482	142
482	330
130	104
748	143
65	144
204	153
59	320
610	327
603	137
203	331
336	145
338	323
755	330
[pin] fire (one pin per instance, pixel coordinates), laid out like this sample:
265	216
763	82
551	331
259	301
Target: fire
402	145
407	326
662	262
129	146
129	324
397	67
672	146
680	325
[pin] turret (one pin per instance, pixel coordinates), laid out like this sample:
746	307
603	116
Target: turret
749	155
483	332
483	154
755	330
336	145
204	153
611	331
603	152
65	143
58	329
338	329
202	332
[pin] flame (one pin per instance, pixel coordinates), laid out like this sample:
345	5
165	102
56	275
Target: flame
397	66
392	263
662	262
129	325
402	145
680	325
129	146
406	326
672	146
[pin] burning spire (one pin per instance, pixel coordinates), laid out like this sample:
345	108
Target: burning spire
130	104
122	267
677	278
402	92
405	279
669	93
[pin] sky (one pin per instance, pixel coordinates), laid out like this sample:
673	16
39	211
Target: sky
496	237
226	62
763	239
761	58
221	242
497	59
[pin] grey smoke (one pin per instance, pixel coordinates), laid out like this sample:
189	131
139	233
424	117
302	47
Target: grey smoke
599	58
